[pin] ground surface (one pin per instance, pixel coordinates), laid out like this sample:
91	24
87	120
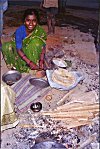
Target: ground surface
74	36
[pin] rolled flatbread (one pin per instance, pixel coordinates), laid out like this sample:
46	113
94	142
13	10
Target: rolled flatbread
63	77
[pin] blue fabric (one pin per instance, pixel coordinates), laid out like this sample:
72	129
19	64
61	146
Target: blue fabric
20	34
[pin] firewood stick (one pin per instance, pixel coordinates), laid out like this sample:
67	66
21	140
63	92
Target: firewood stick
77	124
94	111
88	141
78	109
68	105
71	119
78	117
65	119
90	109
78	106
69	114
64	98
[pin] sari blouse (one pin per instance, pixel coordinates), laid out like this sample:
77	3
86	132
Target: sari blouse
20	34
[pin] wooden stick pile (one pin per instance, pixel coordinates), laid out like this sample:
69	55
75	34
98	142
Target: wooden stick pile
75	114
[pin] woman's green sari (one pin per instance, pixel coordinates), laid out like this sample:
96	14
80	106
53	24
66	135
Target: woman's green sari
32	47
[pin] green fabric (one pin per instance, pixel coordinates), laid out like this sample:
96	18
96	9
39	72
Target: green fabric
32	47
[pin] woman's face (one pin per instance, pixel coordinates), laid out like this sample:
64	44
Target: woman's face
30	22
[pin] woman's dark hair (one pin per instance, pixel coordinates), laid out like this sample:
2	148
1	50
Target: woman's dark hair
31	12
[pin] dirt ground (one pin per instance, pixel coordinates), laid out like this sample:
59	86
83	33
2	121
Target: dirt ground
75	35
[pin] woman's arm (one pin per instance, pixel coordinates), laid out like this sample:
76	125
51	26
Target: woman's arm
41	62
30	63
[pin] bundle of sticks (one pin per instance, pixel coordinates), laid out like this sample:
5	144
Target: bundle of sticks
74	114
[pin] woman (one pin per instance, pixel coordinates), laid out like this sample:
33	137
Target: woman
26	51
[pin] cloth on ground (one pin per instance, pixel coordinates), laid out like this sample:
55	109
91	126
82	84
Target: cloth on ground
8	115
26	93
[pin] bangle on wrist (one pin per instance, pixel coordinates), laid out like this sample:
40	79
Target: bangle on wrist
33	67
29	62
41	60
23	56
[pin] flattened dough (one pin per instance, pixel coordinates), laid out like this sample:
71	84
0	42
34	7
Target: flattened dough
63	77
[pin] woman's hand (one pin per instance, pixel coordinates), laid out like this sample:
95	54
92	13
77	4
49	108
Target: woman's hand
41	62
29	63
33	66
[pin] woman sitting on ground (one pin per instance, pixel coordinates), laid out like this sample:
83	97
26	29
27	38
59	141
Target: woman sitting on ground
26	51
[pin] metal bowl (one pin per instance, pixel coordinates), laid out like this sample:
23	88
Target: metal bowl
11	77
36	107
59	63
48	145
37	82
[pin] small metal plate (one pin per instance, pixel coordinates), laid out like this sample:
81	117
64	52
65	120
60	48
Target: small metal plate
39	82
11	77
